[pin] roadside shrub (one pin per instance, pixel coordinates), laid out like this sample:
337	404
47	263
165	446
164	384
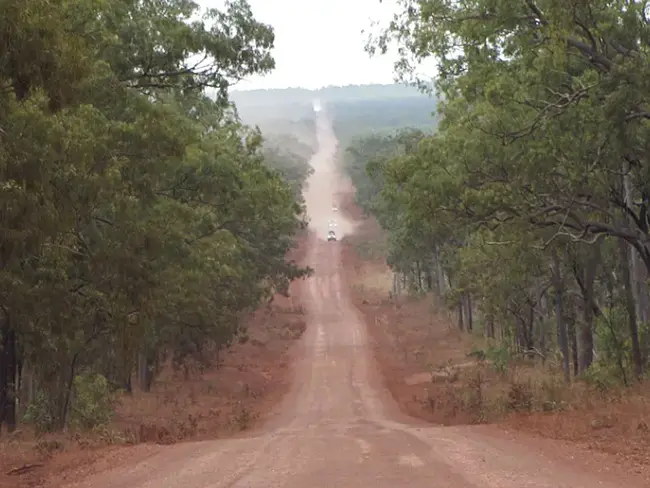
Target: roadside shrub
520	397
603	377
475	400
613	363
39	414
499	357
93	403
552	394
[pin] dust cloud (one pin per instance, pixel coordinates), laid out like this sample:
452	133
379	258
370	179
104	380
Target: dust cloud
327	182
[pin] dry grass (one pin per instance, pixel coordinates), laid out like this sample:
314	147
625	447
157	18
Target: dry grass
227	398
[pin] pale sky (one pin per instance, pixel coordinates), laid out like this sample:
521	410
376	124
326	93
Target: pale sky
319	42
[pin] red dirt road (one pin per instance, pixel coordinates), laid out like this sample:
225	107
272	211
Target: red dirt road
338	426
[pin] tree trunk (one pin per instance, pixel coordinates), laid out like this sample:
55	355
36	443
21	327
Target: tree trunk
26	387
142	371
440	273
609	284
585	274
428	279
128	384
573	343
470	315
643	304
146	371
150	375
8	370
541	324
530	331
396	290
68	385
630	306
562	332
586	334
489	326
642	288
521	335
635	282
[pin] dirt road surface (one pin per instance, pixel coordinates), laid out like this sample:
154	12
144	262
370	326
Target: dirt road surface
338	427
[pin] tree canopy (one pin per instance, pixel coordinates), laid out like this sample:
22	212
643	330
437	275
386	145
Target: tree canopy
529	205
139	219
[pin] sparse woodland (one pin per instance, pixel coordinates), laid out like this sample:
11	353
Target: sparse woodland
527	209
139	221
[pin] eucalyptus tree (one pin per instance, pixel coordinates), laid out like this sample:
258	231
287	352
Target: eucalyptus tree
139	219
543	144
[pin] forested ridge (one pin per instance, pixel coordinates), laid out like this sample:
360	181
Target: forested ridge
139	219
358	119
304	97
527	209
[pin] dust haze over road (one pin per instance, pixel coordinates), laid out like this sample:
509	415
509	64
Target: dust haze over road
326	182
338	427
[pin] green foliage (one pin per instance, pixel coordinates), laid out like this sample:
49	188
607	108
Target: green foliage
290	157
353	119
613	345
535	177
93	403
372	250
140	219
498	356
601	376
39	414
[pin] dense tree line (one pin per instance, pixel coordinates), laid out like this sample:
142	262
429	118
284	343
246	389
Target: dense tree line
138	219
352	119
299	99
528	209
290	157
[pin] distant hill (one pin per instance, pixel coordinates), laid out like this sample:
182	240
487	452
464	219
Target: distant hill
303	96
356	110
357	107
356	118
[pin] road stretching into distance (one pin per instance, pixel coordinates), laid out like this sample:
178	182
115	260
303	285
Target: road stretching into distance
338	427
